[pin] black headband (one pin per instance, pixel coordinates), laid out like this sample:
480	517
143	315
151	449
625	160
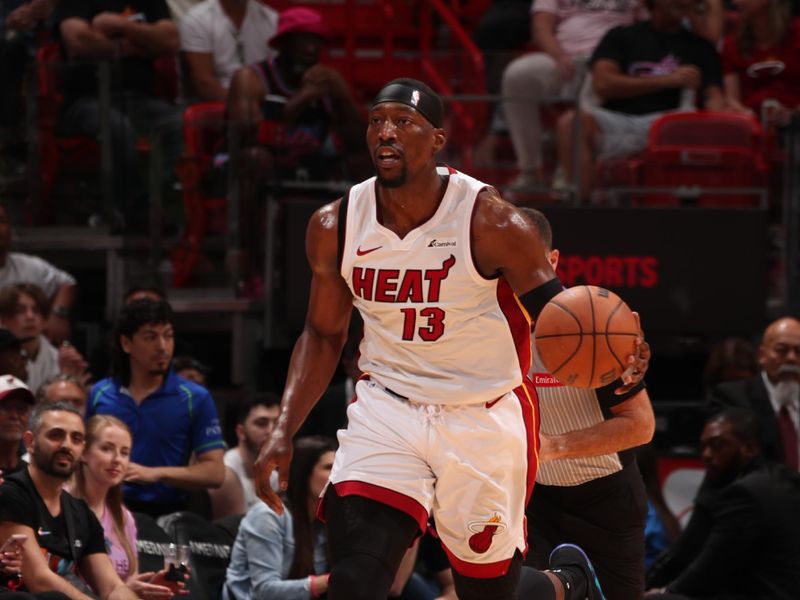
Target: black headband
420	100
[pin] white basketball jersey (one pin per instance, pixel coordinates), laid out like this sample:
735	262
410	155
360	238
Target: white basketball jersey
435	330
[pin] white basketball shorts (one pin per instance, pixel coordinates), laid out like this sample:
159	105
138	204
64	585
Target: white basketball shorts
471	467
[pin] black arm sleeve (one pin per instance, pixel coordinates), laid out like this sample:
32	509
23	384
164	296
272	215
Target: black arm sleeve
535	300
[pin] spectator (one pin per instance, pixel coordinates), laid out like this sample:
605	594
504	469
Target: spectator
218	37
98	481
731	359
565	34
58	286
191	369
319	130
93	30
640	72
13	359
145	393
255	419
761	62
744	543
773	394
15	406
23	310
179	8
63	388
283	556
662	528
57	547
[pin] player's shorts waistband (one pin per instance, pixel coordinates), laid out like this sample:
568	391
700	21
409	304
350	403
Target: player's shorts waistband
392	393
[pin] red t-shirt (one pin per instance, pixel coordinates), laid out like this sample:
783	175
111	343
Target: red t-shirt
767	73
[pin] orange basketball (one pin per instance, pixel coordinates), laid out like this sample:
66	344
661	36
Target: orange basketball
584	336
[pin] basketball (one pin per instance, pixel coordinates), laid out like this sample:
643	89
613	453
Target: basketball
584	336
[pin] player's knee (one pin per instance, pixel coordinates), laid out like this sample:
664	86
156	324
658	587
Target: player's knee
497	588
359	577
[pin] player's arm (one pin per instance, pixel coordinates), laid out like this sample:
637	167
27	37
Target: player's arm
505	243
316	353
35	571
632	424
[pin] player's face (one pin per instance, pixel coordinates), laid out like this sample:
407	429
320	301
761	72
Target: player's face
151	347
257	426
108	457
320	474
14	412
721	450
401	142
779	353
57	446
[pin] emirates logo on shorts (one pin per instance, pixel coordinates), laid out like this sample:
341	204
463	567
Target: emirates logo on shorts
483	532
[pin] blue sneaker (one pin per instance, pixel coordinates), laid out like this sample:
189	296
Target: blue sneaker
570	555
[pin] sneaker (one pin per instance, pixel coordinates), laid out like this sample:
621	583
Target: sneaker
570	555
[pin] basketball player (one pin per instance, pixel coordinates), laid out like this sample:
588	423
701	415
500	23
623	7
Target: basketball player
592	493
445	275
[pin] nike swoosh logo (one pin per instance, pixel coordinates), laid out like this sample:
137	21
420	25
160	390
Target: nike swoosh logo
361	252
493	402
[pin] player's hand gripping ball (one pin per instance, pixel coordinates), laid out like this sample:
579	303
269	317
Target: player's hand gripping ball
584	336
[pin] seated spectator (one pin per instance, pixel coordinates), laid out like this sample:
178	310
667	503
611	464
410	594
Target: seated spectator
98	481
773	394
13	359
640	72
63	388
761	62
565	34
745	542
58	286
94	30
191	369
294	119
255	419
662	528
23	310
731	359
16	401
145	393
63	535
283	556
219	37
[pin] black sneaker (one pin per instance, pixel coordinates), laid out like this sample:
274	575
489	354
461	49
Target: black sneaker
570	555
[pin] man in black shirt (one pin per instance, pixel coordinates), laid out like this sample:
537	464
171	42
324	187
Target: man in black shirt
64	537
130	34
639	72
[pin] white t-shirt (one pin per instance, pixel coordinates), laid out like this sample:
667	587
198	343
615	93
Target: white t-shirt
25	268
44	366
206	28
582	23
179	8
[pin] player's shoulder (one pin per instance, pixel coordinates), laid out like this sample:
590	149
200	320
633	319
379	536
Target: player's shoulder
493	213
326	218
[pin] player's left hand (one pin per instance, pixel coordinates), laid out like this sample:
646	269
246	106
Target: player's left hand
141	474
637	362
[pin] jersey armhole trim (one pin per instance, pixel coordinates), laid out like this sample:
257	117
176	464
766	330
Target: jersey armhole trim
341	228
472	264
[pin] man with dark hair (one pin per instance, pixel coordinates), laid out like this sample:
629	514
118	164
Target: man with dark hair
16	401
446	276
63	537
170	418
63	388
592	493
255	418
743	538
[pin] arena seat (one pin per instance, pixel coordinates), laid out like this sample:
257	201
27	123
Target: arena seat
150	542
210	548
696	152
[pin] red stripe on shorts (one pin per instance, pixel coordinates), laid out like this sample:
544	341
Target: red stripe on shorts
396	500
477	570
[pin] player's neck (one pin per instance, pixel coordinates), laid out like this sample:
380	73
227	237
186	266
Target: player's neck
412	204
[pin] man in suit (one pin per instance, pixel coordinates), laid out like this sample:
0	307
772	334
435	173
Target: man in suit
774	394
743	539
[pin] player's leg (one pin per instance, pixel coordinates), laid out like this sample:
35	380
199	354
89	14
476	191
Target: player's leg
366	541
503	587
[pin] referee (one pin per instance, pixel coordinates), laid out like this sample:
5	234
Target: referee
588	488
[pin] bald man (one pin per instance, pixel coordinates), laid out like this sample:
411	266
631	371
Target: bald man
773	394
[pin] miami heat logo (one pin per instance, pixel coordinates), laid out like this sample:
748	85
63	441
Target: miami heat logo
483	532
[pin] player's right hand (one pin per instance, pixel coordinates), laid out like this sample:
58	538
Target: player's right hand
276	453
